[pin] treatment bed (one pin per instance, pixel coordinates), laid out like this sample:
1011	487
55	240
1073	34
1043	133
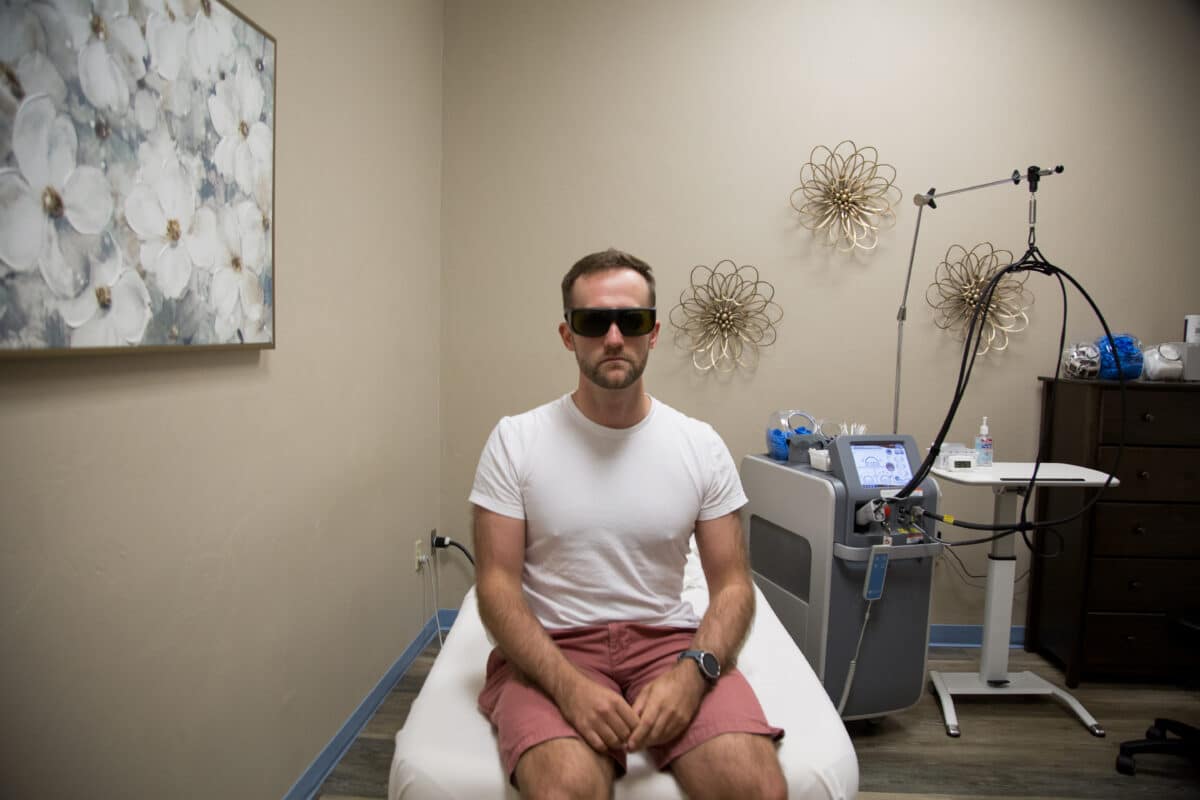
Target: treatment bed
447	749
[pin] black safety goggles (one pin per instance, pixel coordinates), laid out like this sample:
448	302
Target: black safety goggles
593	322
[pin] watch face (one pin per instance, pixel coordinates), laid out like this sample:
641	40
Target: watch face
710	665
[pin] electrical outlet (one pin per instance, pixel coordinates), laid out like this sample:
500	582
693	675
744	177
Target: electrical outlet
418	555
432	536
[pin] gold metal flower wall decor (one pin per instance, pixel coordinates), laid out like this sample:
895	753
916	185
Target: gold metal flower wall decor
957	290
846	195
725	316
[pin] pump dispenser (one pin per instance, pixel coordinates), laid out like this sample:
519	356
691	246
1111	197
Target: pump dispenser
983	446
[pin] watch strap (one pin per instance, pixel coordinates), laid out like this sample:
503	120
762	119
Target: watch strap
700	656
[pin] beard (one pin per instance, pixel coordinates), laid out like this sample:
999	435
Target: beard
604	376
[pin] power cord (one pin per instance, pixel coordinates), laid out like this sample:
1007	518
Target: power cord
854	661
959	568
437	606
437	542
428	563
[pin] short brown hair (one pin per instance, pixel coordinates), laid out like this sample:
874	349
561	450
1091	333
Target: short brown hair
600	262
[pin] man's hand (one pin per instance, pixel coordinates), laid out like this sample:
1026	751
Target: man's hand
667	705
601	716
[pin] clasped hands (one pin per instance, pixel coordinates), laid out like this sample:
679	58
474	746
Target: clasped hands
659	714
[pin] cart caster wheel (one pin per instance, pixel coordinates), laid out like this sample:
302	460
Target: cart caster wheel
1125	764
952	730
1155	732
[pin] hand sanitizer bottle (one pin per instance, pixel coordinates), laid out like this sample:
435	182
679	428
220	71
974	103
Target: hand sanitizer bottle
983	446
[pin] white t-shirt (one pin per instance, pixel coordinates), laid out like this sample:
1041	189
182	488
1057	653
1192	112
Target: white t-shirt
609	512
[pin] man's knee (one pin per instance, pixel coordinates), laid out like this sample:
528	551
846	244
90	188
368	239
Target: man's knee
732	765
761	780
564	769
769	783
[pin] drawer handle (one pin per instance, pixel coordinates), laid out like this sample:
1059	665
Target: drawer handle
1135	586
1143	475
1148	417
1139	531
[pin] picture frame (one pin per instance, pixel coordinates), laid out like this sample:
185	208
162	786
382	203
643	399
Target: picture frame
137	178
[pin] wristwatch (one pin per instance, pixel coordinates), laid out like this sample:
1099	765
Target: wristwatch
710	668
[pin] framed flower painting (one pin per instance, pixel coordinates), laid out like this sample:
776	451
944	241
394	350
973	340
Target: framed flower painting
137	177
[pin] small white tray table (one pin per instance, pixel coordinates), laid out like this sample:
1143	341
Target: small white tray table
1009	481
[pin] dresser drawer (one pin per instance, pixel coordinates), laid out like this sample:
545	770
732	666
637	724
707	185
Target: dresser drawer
1151	417
1139	645
1146	530
1154	473
1126	641
1143	584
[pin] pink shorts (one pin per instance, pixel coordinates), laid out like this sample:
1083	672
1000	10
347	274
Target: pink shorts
624	657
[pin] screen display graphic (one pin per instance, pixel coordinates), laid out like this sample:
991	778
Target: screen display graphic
881	465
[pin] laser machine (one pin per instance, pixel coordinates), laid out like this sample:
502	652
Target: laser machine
848	571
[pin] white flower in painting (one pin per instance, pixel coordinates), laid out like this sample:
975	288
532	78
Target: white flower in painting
175	236
112	52
244	151
154	155
264	192
24	68
168	27
255	330
169	30
32	74
48	189
212	43
115	309
237	293
264	180
145	110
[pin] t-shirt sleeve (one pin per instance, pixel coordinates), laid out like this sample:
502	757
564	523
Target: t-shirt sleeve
723	493
497	484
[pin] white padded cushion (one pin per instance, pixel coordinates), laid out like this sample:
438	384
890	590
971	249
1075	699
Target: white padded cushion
447	748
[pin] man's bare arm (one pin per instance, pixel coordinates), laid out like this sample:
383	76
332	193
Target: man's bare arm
725	624
600	715
666	707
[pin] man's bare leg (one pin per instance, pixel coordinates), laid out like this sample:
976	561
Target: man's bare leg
731	765
565	769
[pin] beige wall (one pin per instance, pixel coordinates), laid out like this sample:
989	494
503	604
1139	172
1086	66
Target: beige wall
206	558
677	130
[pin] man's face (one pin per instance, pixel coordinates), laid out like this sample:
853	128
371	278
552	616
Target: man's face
611	361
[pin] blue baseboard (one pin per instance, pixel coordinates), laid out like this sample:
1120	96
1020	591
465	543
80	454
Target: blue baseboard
332	753
969	636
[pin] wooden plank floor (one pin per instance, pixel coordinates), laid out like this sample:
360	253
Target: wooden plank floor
1026	748
363	771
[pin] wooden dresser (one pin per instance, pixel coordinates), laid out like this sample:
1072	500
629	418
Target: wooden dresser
1109	604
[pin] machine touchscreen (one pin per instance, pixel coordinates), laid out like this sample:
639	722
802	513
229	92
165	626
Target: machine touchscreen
881	465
